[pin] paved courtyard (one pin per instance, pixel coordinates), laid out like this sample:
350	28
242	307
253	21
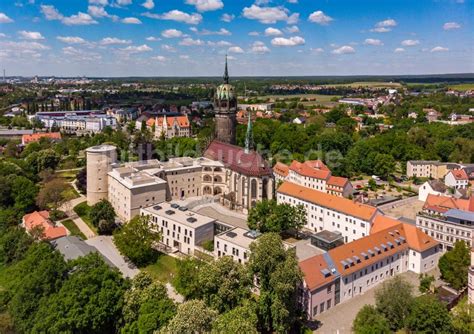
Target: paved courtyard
407	208
227	216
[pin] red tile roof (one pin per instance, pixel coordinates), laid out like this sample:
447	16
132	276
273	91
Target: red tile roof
182	121
26	139
442	203
312	168
281	169
41	219
235	158
337	181
311	269
346	206
459	174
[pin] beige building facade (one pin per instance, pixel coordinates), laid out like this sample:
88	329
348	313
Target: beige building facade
100	160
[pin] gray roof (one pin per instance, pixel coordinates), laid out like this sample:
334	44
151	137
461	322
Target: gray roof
460	214
438	186
71	247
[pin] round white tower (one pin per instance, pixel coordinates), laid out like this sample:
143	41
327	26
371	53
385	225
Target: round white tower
99	162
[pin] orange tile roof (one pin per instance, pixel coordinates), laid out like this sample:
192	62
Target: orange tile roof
150	122
41	219
312	168
182	121
311	269
459	174
444	203
37	136
355	209
337	181
281	169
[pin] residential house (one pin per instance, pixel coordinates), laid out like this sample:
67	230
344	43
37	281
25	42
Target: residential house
433	187
457	179
38	221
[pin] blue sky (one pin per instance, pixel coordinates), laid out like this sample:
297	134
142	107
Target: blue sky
261	37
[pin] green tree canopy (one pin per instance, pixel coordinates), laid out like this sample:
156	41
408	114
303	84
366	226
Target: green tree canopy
428	315
454	265
369	321
102	215
192	317
268	216
241	319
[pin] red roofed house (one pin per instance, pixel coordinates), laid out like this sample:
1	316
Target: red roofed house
313	174
350	270
40	220
457	179
26	139
170	126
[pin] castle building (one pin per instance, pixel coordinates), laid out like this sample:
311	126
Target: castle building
225	103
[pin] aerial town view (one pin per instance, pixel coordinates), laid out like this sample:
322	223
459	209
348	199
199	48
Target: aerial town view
236	166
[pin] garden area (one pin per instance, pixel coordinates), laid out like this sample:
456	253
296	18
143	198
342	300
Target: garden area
72	227
83	211
163	270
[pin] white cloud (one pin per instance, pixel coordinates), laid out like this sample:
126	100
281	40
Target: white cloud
317	50
71	39
168	48
221	32
235	49
51	13
148	4
177	15
2	35
219	43
114	40
124	2
399	50
439	49
384	26
31	35
273	32
81	55
410	42
137	49
191	42
320	18
292	29
254	33
293	18
292	1
97	11
5	19
451	25
374	42
292	41
131	20
259	48
227	17
266	15
159	58
206	5
345	49
171	33
153	39
99	2
79	19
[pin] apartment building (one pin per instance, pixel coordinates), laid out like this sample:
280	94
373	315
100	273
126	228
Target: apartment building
457	179
77	122
313	174
447	220
130	190
181	230
235	243
356	267
429	168
328	212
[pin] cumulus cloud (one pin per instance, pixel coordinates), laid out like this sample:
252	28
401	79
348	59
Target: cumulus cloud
99	2
292	29
221	32
81	55
254	33
259	48
317	50
171	33
451	26
219	43
269	15
124	2
51	14
31	35
292	41
399	50
227	17
410	42
159	58
137	48
235	49
191	42
206	5
168	48
71	39
114	41
373	41
439	49
153	39
384	26
320	18
4	18
345	49
148	4
131	20
97	11
177	15
273	32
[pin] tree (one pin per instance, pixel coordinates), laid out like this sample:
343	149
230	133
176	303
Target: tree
428	315
192	317
14	242
89	301
44	159
425	282
462	317
454	265
23	192
394	300
186	282
242	319
135	241
224	284
102	216
369	320
384	165
81	181
268	216
51	195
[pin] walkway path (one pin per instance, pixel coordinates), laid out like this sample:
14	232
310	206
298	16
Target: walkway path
68	208
173	294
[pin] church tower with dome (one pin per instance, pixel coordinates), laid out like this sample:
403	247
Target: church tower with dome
225	108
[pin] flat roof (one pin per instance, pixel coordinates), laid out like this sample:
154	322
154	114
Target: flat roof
239	236
133	180
328	236
460	214
100	148
178	214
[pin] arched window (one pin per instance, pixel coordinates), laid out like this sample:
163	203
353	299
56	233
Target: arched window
207	178
253	188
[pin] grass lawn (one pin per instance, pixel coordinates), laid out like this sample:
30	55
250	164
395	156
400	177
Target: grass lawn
163	270
68	176
82	210
72	227
70	193
463	87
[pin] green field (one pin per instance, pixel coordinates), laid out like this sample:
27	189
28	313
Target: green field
463	87
72	227
370	84
313	99
164	270
82	210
